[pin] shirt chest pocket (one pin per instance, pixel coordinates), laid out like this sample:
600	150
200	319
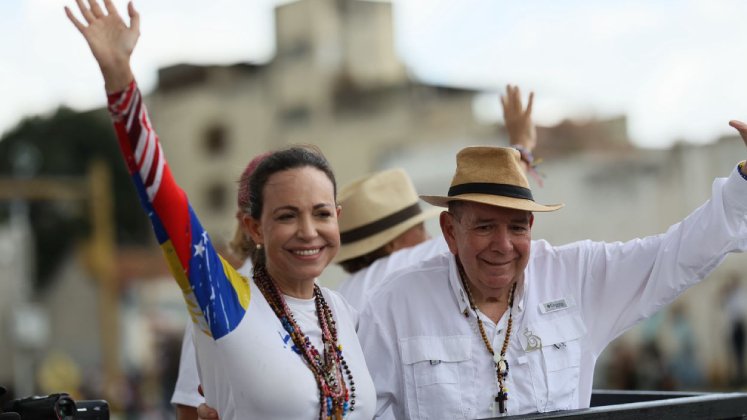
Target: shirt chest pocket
434	372
553	354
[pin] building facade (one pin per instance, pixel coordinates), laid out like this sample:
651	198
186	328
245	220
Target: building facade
335	82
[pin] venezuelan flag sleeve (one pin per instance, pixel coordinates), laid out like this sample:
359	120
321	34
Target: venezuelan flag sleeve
217	296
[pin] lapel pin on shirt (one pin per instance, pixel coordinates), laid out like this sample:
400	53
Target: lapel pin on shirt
533	341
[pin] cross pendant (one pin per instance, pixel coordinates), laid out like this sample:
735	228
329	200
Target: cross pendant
500	401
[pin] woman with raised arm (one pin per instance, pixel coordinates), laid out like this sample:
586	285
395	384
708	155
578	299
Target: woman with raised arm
275	346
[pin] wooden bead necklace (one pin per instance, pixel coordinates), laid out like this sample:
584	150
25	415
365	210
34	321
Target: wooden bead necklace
334	398
500	361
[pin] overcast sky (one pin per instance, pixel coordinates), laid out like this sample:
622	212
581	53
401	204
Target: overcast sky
675	67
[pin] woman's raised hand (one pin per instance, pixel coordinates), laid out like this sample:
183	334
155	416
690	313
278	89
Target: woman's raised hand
110	39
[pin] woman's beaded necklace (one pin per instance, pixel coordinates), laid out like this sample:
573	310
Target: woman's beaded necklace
500	361
334	398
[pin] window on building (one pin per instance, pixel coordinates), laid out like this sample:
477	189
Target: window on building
297	49
296	115
215	140
216	197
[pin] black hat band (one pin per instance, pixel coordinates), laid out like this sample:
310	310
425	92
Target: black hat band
380	225
504	190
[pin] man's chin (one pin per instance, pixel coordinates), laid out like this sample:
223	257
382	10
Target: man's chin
499	282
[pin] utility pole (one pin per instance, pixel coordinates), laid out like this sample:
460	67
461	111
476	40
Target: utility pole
95	188
102	262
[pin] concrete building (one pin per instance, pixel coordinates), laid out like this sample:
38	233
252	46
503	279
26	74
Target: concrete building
335	82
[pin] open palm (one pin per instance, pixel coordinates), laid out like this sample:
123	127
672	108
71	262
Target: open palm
110	39
518	120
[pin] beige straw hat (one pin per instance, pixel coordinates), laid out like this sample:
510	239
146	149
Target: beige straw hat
375	210
493	176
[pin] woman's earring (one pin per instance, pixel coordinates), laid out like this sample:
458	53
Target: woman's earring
259	246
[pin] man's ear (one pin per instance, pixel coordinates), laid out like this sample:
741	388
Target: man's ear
446	220
253	228
531	220
339	210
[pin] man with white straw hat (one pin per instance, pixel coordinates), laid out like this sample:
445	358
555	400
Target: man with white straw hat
448	338
382	214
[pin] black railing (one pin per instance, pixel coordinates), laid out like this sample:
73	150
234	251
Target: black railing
650	405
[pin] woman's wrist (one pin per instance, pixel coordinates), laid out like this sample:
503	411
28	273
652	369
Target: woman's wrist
117	77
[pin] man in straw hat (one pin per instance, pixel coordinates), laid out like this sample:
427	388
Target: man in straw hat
381	214
503	324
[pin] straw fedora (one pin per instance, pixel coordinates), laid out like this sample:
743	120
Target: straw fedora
375	210
493	176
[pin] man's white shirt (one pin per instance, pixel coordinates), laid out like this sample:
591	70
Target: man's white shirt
427	358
